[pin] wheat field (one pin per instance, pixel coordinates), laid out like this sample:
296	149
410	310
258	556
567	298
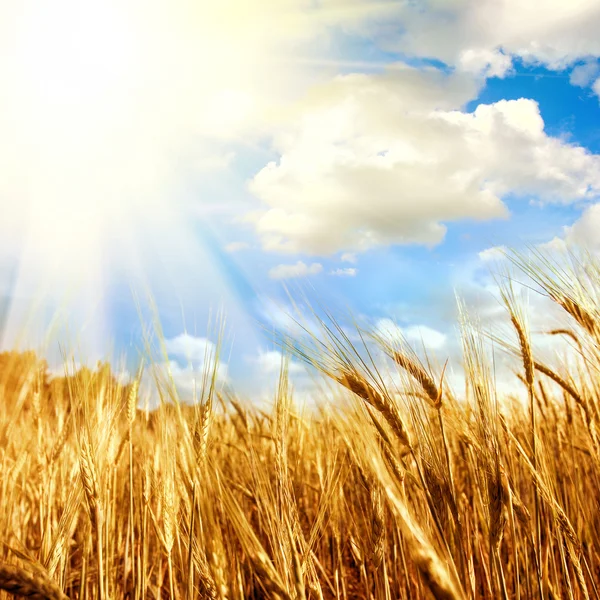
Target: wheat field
374	495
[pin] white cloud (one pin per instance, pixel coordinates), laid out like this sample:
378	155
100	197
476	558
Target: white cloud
417	335
189	380
583	233
349	272
269	362
370	160
584	74
556	244
474	33
586	230
490	63
191	363
237	246
479	289
480	294
192	349
491	254
300	269
596	87
348	257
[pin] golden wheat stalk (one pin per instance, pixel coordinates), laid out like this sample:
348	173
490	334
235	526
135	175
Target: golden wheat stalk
434	571
413	368
37	586
363	389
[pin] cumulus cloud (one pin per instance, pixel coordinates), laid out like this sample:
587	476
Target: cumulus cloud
479	289
491	254
480	296
349	272
269	362
369	160
198	351
191	363
189	380
584	74
585	231
306	388
481	34
348	257
189	347
556	244
487	62
414	334
300	269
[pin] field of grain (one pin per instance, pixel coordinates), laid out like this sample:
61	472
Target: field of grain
377	495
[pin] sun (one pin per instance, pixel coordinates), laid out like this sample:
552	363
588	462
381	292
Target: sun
74	55
68	76
72	72
70	69
104	104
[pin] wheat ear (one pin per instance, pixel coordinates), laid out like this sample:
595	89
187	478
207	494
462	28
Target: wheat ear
20	582
434	395
364	390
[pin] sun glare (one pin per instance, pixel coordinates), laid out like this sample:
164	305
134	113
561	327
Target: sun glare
73	61
72	68
102	104
75	55
72	64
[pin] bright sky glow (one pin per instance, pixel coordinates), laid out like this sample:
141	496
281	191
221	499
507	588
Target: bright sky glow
212	151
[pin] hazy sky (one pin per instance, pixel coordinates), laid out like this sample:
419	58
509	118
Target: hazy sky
367	152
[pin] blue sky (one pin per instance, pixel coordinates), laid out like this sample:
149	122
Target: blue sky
362	153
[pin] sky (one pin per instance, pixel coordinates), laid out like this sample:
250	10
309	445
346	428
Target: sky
180	160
